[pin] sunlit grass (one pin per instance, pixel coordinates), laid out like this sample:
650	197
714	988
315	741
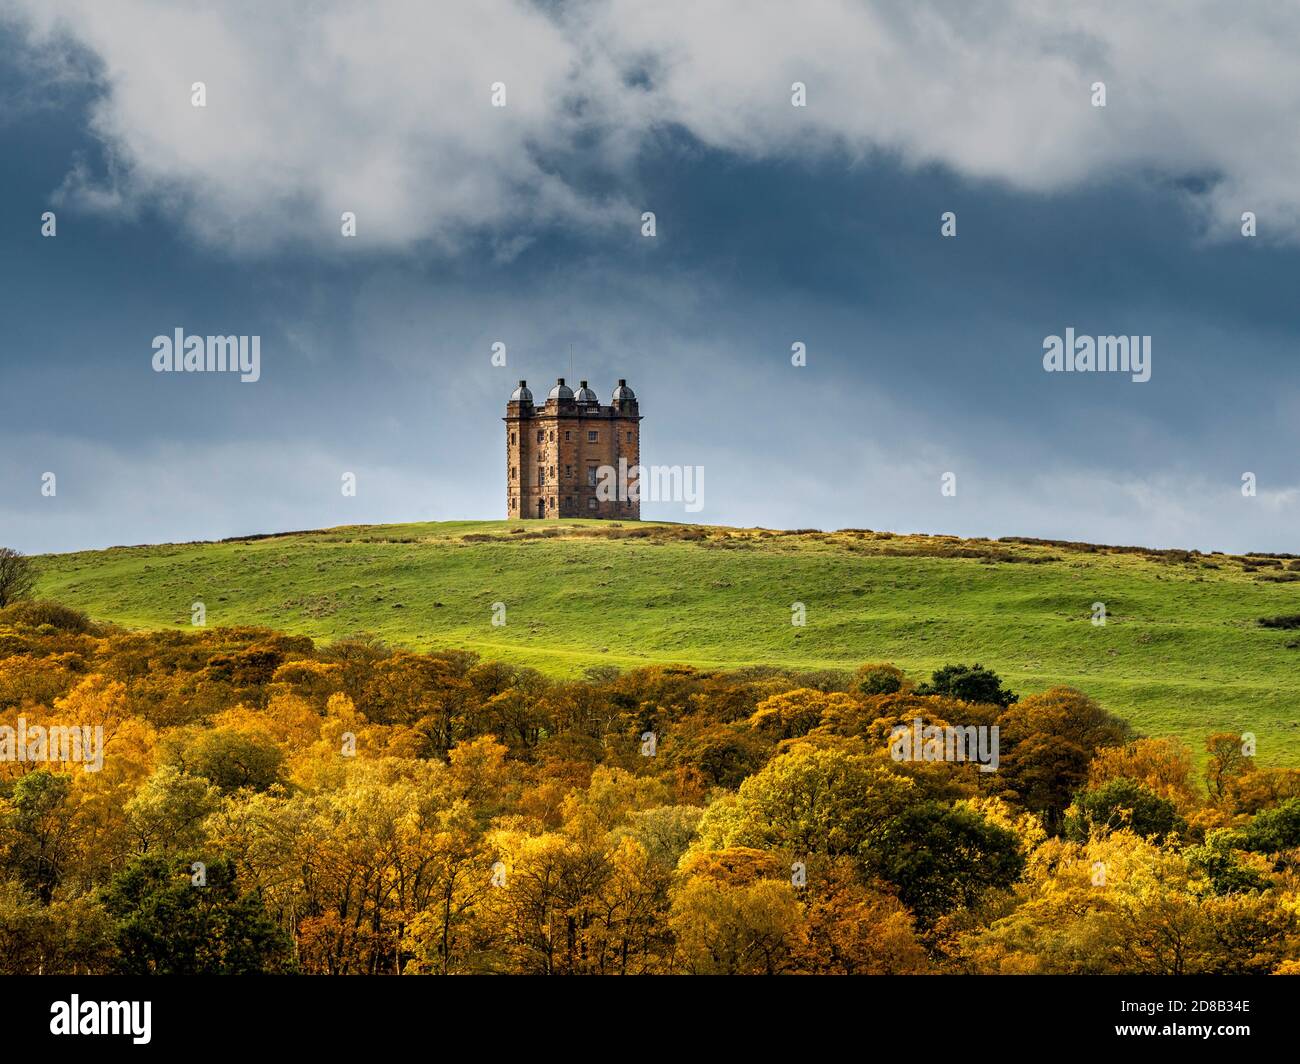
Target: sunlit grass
1181	652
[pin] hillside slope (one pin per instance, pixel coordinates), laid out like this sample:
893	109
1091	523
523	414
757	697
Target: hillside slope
1182	651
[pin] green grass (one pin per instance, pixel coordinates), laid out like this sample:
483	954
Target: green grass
1181	652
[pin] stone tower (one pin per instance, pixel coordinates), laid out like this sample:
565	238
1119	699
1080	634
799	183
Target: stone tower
558	454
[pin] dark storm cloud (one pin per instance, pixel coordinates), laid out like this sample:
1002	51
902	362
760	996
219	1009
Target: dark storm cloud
924	352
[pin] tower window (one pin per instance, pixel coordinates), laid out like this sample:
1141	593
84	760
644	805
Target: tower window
550	435
540	435
629	437
592	436
512	437
568	470
567	435
591	504
591	476
541	474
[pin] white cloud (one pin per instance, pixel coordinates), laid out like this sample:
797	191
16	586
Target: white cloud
384	108
995	90
317	109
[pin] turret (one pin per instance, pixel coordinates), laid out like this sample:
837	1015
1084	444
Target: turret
623	399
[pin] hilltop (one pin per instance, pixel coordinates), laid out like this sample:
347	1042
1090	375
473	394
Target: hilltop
1183	650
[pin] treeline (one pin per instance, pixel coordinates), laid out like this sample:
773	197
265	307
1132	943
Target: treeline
266	804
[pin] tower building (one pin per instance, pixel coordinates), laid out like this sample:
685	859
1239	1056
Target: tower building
560	453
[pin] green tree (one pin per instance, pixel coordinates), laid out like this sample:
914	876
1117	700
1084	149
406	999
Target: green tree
970	683
35	830
940	858
1275	830
1122	803
169	925
167	811
1220	864
878	679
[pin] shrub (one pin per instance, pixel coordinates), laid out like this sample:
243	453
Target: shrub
34	614
878	679
970	683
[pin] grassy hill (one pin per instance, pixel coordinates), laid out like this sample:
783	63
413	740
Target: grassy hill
1182	651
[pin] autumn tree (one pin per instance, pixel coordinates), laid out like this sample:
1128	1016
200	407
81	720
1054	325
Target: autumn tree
735	913
1163	766
1048	743
811	799
795	713
1121	903
1252	792
69	936
852	929
1227	763
17	576
545	913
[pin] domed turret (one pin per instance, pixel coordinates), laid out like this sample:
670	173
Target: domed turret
560	391
585	394
521	394
623	394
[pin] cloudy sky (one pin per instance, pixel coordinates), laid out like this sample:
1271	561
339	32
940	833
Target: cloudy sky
776	224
